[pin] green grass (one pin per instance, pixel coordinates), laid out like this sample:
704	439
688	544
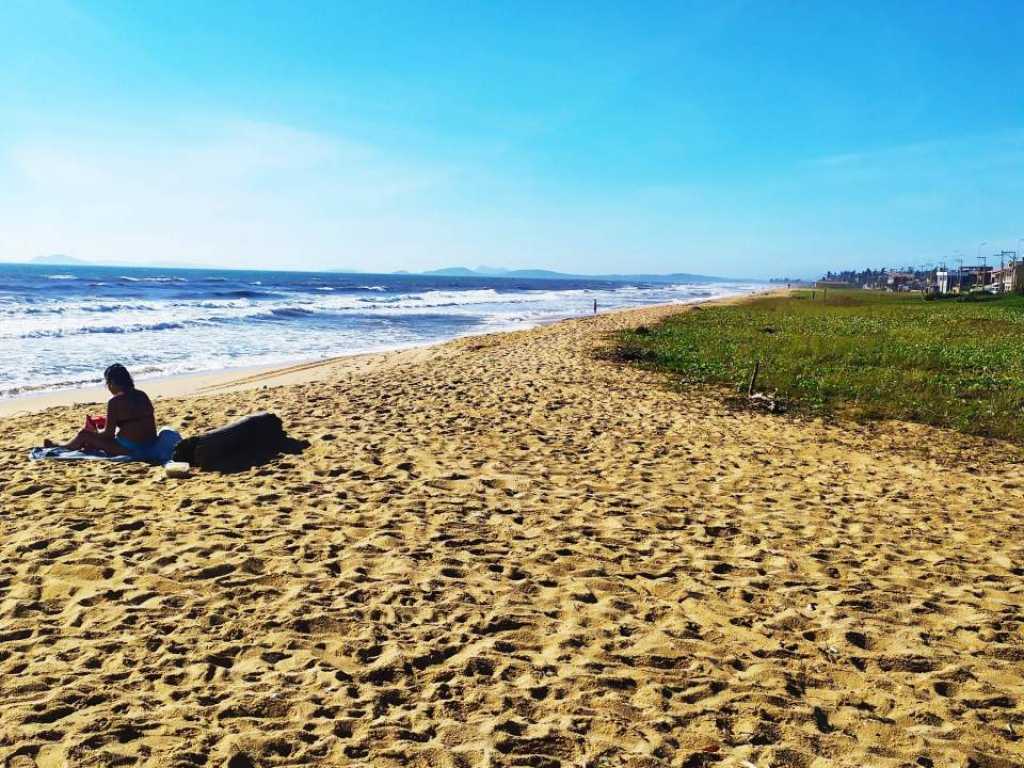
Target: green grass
858	354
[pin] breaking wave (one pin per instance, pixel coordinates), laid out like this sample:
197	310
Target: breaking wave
61	329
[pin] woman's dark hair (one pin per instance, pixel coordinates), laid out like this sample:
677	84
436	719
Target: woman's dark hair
118	375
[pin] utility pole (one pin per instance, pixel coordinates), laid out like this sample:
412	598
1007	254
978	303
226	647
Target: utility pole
978	258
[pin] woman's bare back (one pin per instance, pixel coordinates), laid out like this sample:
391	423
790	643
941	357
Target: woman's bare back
132	413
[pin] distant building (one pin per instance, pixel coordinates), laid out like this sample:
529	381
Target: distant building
945	281
967	279
902	281
975	277
1008	278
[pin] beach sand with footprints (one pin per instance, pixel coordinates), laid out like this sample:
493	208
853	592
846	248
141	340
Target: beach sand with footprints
508	551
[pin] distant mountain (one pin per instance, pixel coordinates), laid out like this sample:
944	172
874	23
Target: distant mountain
547	274
59	258
456	272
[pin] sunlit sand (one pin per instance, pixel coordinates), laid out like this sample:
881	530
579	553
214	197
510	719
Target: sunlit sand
505	551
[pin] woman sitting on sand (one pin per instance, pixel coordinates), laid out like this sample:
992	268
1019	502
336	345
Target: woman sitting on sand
131	426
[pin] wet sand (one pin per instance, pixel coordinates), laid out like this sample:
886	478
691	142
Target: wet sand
504	551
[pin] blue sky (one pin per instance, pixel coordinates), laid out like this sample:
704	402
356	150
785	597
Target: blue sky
737	138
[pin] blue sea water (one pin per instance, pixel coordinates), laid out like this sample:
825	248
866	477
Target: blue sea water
60	326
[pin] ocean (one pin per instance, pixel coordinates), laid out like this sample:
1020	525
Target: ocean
60	326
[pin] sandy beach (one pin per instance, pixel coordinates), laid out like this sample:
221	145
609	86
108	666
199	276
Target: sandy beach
508	551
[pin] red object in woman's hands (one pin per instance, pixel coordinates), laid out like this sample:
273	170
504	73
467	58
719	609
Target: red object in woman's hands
95	423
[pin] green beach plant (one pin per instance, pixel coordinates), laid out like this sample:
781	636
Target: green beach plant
857	354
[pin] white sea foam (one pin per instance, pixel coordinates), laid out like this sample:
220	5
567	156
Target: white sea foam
52	342
130	279
74	317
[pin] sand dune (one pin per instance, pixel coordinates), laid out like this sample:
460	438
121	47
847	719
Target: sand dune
506	552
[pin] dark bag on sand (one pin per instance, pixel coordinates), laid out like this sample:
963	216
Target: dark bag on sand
256	435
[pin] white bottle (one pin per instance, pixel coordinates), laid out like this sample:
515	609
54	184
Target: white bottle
177	468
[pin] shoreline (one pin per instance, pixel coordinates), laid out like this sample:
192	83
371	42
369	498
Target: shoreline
199	383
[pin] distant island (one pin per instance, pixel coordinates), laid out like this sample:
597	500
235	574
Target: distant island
547	274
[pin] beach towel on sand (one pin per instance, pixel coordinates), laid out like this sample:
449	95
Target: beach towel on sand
157	452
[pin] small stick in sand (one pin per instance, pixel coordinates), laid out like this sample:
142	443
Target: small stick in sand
753	378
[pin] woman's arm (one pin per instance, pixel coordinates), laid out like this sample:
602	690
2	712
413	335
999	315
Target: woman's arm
111	429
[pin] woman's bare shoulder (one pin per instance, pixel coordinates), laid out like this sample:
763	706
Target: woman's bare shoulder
129	401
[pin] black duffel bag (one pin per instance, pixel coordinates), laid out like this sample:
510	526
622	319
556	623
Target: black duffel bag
258	435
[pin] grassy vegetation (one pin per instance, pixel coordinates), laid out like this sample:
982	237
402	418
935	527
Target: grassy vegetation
860	354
